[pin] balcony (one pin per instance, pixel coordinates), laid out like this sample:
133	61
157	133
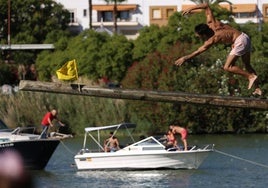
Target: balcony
119	23
104	15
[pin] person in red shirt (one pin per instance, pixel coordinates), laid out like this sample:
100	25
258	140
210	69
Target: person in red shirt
47	122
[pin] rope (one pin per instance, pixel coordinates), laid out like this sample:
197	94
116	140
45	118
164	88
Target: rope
239	158
67	148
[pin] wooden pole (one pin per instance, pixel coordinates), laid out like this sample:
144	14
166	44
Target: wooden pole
156	96
8	22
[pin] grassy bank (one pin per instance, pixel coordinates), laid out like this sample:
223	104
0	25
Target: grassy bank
27	109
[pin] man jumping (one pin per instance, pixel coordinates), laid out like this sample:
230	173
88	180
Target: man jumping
214	32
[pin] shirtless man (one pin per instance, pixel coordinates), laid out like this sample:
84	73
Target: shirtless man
111	144
175	129
216	32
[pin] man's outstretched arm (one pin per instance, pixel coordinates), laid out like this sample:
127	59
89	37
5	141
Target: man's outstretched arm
200	50
200	6
211	21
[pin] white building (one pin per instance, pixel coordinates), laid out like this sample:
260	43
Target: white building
135	14
79	13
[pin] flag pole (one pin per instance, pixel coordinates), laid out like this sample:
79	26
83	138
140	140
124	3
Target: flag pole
76	70
76	74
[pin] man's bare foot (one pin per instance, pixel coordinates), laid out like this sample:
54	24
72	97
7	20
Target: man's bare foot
252	80
257	92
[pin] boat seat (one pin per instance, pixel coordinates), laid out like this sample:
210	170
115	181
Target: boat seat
82	151
172	149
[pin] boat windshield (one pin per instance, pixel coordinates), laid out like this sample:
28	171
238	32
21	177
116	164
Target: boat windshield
150	141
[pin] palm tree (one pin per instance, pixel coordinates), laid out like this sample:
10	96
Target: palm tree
115	2
213	2
90	13
210	1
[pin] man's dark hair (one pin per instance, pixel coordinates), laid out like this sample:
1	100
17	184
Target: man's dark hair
203	29
175	122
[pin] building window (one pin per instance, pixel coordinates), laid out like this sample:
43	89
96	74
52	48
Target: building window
124	15
169	12
107	16
266	12
85	12
72	17
160	14
156	14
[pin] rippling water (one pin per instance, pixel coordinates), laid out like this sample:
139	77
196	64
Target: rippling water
246	165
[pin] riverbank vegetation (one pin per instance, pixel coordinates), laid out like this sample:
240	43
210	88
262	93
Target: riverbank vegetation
145	63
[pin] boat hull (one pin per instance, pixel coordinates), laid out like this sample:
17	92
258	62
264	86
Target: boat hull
144	160
35	153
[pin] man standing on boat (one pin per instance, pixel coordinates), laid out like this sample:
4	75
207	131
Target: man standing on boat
47	122
175	129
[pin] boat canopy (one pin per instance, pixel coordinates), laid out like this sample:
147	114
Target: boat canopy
111	127
115	128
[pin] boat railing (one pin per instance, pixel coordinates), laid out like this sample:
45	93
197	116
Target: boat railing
20	130
192	148
206	147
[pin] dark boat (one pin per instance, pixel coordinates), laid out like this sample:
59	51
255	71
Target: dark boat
35	151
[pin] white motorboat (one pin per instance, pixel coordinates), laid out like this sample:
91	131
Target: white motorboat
148	153
34	151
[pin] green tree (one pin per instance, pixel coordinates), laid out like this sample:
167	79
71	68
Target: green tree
116	57
97	54
34	19
147	41
30	23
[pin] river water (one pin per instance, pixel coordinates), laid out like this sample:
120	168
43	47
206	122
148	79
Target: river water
239	161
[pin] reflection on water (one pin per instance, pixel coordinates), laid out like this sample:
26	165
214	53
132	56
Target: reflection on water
218	170
148	178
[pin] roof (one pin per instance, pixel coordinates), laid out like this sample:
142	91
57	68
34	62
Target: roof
235	8
120	7
111	127
240	8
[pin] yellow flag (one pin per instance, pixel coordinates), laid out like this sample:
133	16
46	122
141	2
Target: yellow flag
68	71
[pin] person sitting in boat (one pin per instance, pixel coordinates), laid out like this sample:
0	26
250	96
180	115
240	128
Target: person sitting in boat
176	129
171	140
111	144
